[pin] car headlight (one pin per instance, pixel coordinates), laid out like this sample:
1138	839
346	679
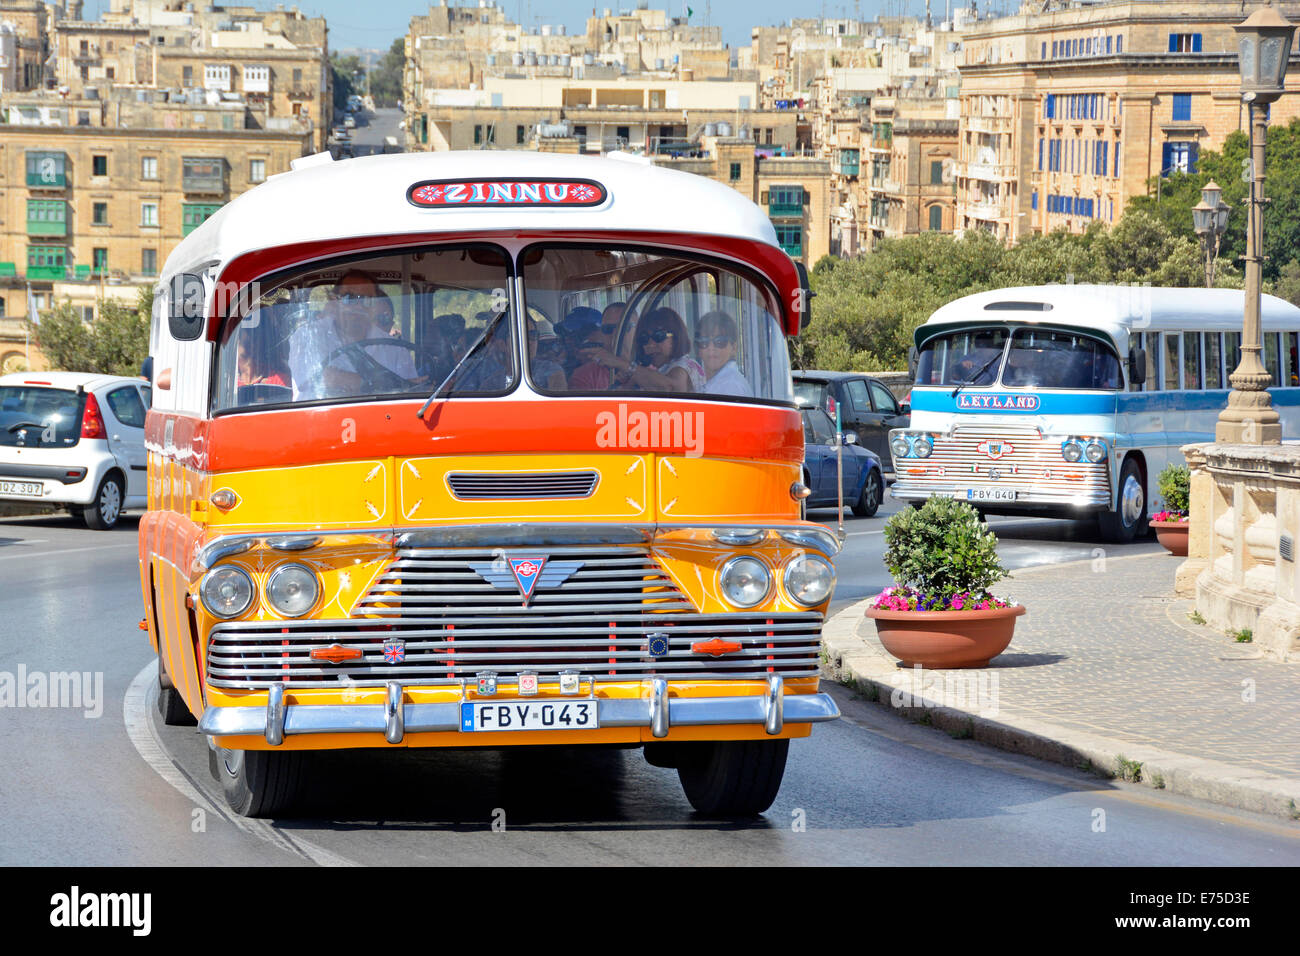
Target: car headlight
1071	450
809	579
745	581
923	446
900	446
1095	452
292	590
227	591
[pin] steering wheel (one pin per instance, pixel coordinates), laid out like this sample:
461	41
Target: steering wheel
375	376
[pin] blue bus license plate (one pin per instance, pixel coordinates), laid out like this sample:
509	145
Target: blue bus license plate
480	716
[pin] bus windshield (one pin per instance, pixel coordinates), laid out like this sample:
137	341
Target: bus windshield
396	324
1036	358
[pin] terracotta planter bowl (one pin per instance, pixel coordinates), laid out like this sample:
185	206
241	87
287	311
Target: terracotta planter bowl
946	639
1173	535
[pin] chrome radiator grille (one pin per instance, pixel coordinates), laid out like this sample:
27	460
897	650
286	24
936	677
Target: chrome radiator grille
454	623
1027	461
491	487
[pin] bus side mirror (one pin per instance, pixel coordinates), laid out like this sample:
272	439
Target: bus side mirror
911	361
803	305
1137	366
185	300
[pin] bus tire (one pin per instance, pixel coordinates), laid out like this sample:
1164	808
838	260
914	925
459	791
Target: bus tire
873	489
172	708
1129	519
260	783
733	778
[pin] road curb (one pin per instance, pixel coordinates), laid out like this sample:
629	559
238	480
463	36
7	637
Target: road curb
863	665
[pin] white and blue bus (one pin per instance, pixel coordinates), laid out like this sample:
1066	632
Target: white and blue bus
1068	400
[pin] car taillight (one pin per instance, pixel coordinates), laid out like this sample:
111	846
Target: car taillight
92	423
830	406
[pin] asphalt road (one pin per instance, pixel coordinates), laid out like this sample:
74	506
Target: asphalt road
103	782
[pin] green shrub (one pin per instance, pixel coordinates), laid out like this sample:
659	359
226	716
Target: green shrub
942	549
1175	487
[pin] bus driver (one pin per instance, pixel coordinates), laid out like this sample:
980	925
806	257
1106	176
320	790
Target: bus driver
337	352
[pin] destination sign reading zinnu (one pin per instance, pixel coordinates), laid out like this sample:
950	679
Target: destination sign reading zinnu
507	192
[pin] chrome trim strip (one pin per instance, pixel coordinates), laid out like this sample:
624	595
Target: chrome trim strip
775	705
301	719
394	714
292	542
660	719
525	535
275	715
221	548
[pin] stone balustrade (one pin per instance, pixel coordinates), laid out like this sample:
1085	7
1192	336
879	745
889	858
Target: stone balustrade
1241	550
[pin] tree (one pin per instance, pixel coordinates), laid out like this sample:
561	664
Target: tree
114	344
344	68
386	78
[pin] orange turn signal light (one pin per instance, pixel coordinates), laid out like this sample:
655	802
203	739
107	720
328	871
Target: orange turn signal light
336	653
716	647
144	624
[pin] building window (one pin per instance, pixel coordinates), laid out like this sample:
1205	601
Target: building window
1044	56
1182	107
785	201
99	215
99	165
297	79
1119	44
149	261
936	172
194	215
936	218
735	171
519	135
149	214
624	134
47	262
1033	200
1184	43
47	217
83	117
478	134
1049	106
202	174
187	76
99	257
216	76
790	238
149	167
257	170
1109	38
1178	157
46	169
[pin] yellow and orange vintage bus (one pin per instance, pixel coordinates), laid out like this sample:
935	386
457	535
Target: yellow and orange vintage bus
483	449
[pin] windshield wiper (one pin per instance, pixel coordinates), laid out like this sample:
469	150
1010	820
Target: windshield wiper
487	333
971	381
17	425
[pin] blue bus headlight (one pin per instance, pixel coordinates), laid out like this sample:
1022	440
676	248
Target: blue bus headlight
900	446
1095	452
1071	450
923	446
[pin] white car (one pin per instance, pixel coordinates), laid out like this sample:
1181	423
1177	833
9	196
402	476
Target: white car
76	440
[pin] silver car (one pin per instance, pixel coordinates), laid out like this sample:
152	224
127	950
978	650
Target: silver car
76	440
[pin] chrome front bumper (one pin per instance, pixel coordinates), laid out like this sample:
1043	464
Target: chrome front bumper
395	719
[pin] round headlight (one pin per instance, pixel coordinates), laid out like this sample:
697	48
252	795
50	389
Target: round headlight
809	579
227	591
899	446
924	446
1071	451
745	581
292	590
1095	452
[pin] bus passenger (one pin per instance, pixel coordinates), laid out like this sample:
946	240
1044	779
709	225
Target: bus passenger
325	357
663	363
578	328
597	373
257	362
547	372
715	341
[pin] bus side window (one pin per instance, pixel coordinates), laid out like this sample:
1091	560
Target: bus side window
1271	357
1171	380
1231	353
1214	360
1192	360
1293	357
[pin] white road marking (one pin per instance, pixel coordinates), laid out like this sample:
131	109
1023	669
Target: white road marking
134	546
139	727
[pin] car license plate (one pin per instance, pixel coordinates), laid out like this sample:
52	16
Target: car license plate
479	716
30	488
990	494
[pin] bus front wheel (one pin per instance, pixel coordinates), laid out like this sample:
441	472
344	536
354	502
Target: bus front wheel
733	778
259	783
1129	519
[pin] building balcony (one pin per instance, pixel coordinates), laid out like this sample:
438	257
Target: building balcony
891	186
47	272
36	227
783	210
988	211
301	92
988	124
987	172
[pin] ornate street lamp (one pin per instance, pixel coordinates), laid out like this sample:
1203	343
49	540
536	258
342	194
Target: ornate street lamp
1265	46
1210	220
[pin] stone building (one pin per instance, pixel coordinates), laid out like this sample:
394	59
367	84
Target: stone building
1067	114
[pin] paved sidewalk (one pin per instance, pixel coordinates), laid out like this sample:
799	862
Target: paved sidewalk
1106	671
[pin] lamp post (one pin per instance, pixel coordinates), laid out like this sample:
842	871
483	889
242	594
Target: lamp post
1265	45
1210	220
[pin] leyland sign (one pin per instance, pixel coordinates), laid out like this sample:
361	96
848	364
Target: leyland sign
997	403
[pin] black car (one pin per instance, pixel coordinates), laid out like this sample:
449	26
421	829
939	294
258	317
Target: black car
867	407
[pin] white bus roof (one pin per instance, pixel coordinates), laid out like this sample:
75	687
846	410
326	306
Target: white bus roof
368	196
1114	309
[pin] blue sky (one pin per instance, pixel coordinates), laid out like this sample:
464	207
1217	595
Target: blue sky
377	23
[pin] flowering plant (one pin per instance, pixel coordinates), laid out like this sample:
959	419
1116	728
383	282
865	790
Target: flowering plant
1169	516
909	599
943	559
